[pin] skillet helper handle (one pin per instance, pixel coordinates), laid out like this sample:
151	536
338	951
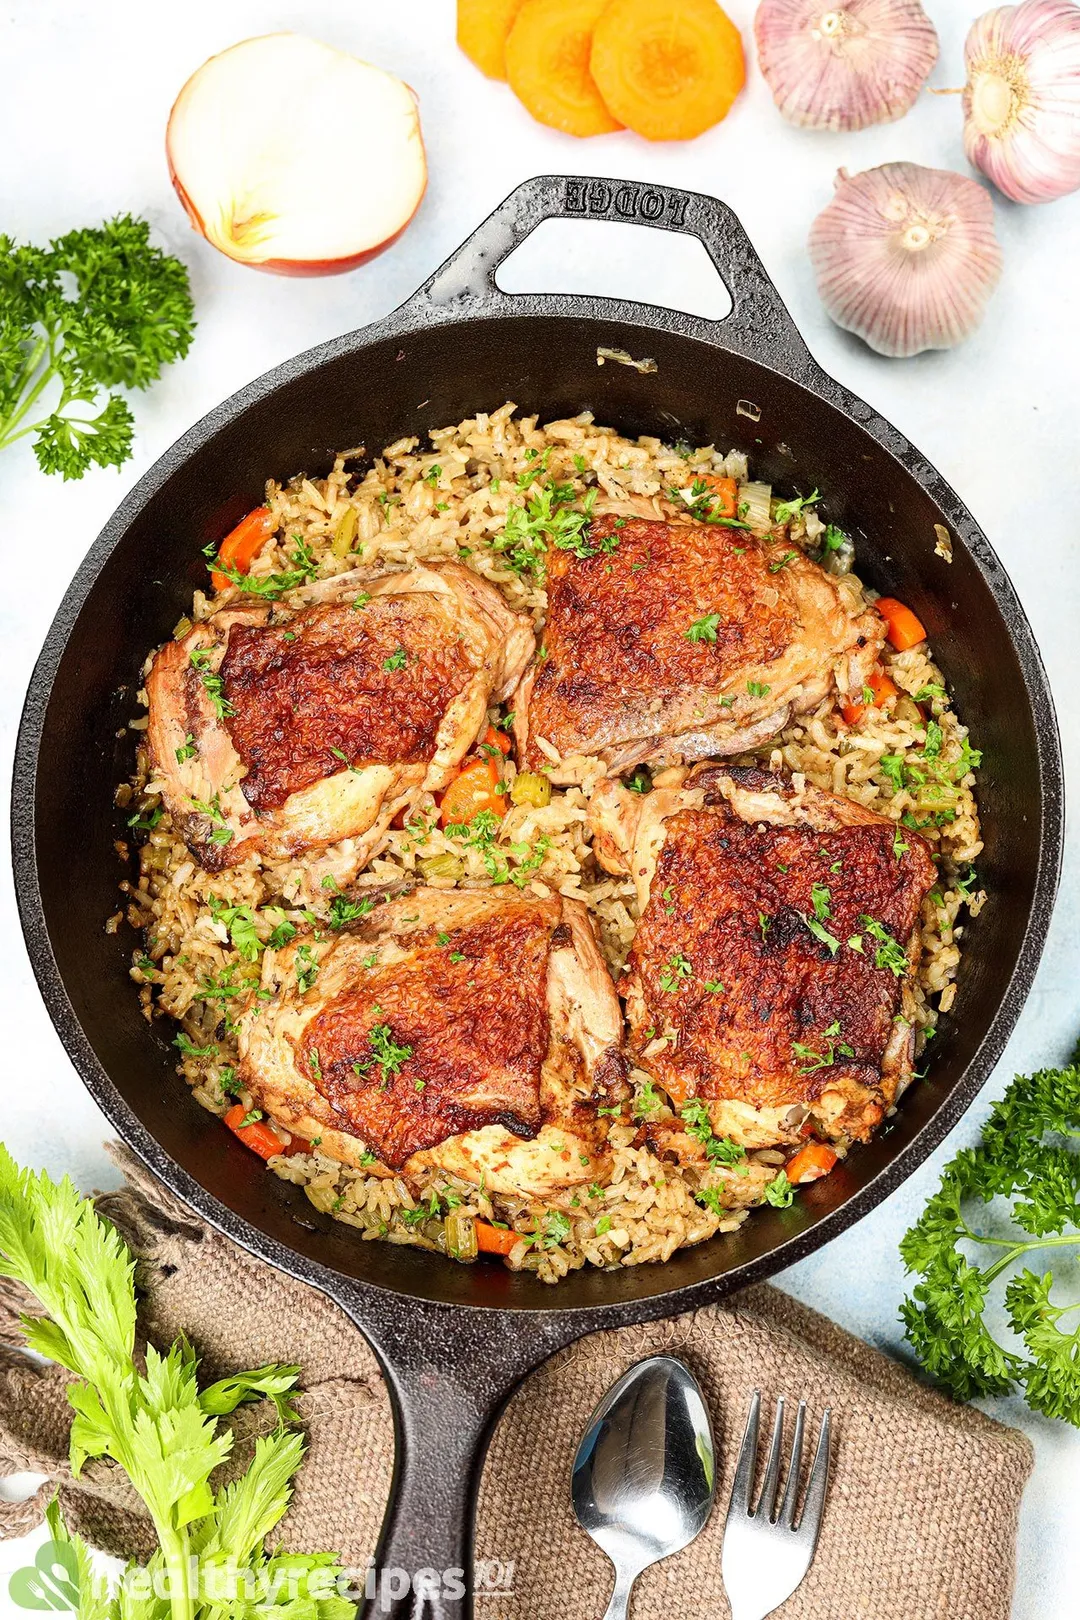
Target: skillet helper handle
758	324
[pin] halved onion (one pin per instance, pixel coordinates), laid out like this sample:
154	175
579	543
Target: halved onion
292	156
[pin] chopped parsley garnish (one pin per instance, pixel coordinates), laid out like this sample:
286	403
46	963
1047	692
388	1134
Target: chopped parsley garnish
240	922
890	953
188	750
784	511
344	759
213	684
640	782
145	821
820	932
677	969
757	689
779	1192
782	562
396	660
432	476
719	1150
647	1100
307	969
387	1054
190	1050
344	910
220	832
271	586
899	847
548	517
820	899
704	629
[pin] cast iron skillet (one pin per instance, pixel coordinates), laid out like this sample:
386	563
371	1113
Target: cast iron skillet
454	1340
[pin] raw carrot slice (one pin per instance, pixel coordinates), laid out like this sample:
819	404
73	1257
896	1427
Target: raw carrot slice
493	1240
475	788
810	1163
482	29
881	690
242	545
547	63
903	629
257	1135
669	69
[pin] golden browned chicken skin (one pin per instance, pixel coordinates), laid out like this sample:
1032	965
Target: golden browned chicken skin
771	969
468	1030
620	675
279	727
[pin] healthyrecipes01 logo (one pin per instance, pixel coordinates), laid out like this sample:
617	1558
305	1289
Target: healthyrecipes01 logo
52	1582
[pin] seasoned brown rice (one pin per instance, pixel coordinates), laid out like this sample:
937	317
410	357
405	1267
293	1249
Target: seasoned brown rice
450	501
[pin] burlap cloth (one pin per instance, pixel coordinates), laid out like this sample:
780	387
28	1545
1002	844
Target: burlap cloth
921	1517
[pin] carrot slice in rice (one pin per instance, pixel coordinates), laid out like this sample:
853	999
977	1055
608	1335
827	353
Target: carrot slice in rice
903	629
482	30
242	545
494	1240
669	69
881	689
547	63
811	1162
256	1135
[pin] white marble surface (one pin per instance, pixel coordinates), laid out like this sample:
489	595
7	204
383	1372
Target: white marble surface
87	93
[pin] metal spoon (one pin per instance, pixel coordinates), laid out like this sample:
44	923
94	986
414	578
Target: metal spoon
644	1474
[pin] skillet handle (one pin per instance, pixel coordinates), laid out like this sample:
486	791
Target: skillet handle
758	325
449	1372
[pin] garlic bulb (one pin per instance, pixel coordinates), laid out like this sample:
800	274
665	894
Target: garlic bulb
1022	101
847	65
906	257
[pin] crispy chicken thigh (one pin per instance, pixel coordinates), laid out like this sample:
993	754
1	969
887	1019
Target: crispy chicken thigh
771	971
619	674
277	727
468	1031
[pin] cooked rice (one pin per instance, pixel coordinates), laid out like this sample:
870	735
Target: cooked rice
450	501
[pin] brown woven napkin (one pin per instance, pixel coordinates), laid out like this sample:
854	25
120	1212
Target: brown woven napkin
921	1517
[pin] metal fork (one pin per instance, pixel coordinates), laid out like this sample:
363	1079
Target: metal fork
765	1553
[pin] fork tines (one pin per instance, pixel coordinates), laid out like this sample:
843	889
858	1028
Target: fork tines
766	1554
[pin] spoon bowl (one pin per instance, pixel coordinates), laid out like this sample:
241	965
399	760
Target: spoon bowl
645	1473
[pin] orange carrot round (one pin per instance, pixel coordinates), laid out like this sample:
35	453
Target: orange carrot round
242	545
668	69
257	1135
475	788
494	738
547	64
726	491
882	689
811	1162
494	1240
482	29
903	629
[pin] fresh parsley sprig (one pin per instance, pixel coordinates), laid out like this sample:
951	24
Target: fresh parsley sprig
1017	1193
129	314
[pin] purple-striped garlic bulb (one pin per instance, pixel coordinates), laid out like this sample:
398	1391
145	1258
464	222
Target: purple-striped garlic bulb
906	257
844	66
1022	101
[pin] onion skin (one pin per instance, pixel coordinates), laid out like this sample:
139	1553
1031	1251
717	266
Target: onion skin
293	267
906	257
1022	100
847	65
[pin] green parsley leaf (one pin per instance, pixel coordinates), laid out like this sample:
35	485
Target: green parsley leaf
704	629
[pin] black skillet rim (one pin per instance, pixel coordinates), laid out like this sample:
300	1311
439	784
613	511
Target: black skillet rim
410	318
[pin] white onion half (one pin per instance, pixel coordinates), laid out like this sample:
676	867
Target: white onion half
292	156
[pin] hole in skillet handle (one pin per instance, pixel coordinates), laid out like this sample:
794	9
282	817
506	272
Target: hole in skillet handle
758	324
